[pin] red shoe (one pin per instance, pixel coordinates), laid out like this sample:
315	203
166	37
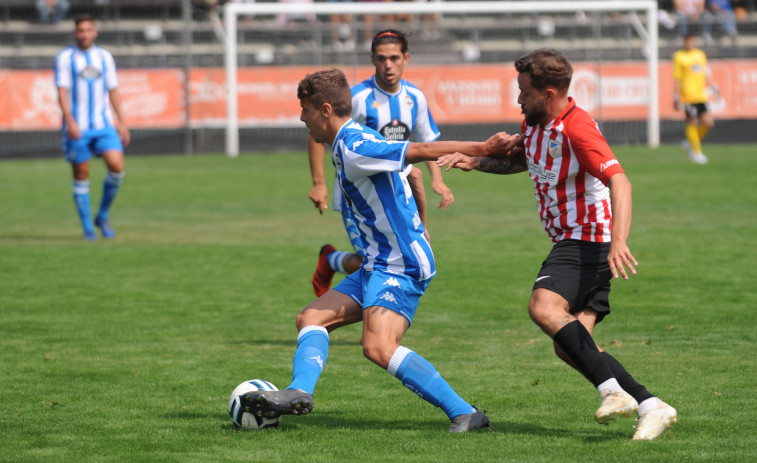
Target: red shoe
323	272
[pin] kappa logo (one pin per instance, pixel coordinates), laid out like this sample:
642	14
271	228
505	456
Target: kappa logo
607	165
318	359
388	297
392	282
376	105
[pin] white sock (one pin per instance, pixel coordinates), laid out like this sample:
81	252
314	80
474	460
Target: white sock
649	404
611	385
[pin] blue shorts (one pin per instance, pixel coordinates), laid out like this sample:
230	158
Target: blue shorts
352	232
92	141
398	293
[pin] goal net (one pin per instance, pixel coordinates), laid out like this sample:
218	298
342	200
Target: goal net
462	55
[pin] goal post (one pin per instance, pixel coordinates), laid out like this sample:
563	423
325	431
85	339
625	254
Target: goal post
641	14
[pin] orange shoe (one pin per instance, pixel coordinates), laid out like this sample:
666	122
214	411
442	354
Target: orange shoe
323	272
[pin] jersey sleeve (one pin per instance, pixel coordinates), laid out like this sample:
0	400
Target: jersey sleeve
63	70
359	95
424	128
111	77
370	155
592	151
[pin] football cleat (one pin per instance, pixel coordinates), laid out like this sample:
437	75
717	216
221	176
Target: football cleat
323	272
90	236
105	228
614	404
470	422
274	403
650	424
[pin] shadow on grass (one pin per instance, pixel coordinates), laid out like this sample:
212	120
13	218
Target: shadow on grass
328	420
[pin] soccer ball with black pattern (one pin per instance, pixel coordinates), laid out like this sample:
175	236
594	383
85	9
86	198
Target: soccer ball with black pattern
246	420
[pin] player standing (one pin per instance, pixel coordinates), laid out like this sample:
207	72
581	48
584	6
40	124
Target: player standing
398	265
85	76
584	200
691	79
399	111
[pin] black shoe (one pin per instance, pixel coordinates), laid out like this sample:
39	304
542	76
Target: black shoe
274	403
470	421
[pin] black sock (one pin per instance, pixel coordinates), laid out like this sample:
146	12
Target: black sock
626	381
577	344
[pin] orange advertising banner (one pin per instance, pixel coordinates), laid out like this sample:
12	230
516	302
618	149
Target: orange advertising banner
457	94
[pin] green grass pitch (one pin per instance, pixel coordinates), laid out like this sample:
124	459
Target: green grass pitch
127	350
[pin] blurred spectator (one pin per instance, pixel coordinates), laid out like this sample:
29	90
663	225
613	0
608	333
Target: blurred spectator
341	31
52	11
723	14
693	11
284	19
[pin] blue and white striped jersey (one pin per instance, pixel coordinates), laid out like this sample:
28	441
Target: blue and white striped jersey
88	75
400	116
369	175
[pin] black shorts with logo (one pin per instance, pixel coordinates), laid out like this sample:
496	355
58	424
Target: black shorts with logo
579	272
695	109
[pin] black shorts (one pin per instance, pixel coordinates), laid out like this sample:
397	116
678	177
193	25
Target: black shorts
579	272
695	109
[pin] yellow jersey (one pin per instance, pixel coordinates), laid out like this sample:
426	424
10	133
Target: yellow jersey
690	70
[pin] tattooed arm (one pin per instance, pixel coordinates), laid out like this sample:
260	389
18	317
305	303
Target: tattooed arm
511	164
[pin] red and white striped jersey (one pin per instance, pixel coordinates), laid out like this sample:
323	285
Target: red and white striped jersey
570	164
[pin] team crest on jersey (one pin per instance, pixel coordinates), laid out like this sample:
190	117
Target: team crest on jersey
395	130
409	102
555	149
90	72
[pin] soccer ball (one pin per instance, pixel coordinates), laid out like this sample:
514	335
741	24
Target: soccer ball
246	420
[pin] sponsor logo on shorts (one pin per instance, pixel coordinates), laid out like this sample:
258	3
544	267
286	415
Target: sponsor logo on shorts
392	282
388	297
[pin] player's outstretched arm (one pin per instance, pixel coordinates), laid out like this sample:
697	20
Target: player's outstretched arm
511	164
319	193
497	145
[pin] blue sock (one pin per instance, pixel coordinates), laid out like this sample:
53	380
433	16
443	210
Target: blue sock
309	358
81	198
110	189
418	375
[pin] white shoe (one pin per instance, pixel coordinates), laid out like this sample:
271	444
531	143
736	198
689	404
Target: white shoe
651	424
686	146
614	404
697	158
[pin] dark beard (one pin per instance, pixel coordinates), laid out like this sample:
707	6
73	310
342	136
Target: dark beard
536	116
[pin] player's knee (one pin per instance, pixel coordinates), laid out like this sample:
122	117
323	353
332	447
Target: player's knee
376	352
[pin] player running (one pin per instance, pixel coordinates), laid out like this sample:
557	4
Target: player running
584	199
399	111
398	265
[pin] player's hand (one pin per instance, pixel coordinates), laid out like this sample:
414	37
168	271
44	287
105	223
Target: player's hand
74	131
124	135
620	258
457	161
443	190
502	143
319	194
